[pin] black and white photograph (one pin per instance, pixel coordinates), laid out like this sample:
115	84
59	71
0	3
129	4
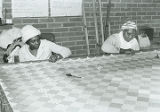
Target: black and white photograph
79	55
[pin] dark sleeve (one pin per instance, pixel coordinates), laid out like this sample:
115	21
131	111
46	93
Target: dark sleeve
126	51
5	58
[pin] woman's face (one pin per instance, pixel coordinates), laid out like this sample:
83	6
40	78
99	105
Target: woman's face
129	34
34	42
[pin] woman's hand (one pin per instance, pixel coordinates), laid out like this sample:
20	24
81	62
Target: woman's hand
127	51
55	57
130	51
12	46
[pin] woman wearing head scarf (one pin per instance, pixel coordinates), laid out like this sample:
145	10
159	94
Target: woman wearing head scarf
123	42
38	49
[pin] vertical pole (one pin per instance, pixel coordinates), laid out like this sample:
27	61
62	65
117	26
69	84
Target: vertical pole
107	22
85	28
4	15
101	19
96	27
95	20
49	8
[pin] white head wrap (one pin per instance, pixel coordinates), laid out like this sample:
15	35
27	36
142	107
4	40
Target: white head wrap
129	25
29	32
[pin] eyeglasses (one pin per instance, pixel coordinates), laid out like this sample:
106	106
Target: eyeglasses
131	34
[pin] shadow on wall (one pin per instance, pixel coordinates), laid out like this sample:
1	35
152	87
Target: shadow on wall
48	36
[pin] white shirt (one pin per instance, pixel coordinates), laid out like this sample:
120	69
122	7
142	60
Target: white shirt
116	41
44	51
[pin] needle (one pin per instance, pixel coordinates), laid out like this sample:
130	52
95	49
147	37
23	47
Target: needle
70	75
157	56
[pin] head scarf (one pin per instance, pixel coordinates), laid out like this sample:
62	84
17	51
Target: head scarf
129	25
29	32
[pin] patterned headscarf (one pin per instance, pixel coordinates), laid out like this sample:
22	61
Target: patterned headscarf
129	25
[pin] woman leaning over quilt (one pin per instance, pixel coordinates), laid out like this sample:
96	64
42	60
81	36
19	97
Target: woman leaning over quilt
31	48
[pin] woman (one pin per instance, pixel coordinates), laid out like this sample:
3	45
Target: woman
38	49
123	42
